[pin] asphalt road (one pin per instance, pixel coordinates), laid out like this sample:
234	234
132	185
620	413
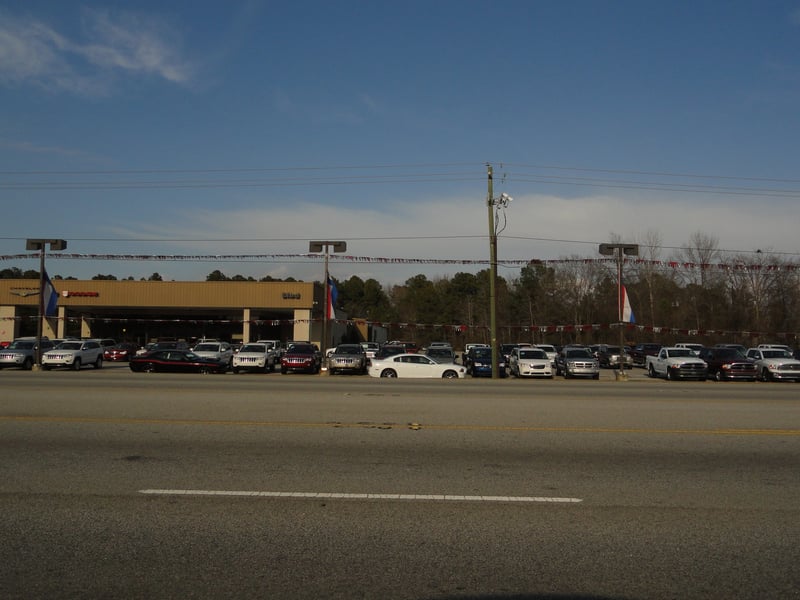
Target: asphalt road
123	485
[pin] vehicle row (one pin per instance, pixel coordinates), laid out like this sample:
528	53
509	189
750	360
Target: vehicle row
724	363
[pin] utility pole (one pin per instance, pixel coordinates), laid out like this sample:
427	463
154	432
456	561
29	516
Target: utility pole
492	276
491	203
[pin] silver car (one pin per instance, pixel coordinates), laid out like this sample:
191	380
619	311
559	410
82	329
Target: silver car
350	358
22	353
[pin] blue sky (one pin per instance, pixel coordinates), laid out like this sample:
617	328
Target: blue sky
249	128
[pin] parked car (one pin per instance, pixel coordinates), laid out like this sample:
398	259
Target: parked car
388	350
505	351
611	357
255	356
550	350
530	362
478	362
441	354
348	358
728	362
414	365
220	351
176	361
370	348
640	352
164	345
301	357
577	362
73	354
774	364
673	363
691	346
22	353
123	351
410	347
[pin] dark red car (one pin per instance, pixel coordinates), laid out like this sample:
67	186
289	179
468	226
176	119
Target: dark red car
120	352
305	358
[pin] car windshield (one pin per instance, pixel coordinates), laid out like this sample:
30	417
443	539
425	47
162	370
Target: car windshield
206	348
349	349
532	354
679	352
69	346
301	349
729	353
578	354
260	348
20	345
482	353
776	354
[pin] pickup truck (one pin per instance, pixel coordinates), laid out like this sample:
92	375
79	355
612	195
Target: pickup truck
676	363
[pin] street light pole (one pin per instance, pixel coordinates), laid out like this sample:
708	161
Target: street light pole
319	246
620	250
40	245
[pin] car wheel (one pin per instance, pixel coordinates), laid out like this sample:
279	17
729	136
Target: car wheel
148	368
283	371
670	375
596	376
567	374
28	364
449	374
719	376
46	367
235	370
76	366
766	375
651	371
388	373
205	370
98	364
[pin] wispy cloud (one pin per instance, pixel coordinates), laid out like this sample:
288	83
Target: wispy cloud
33	52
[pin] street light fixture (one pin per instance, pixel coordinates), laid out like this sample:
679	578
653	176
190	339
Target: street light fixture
40	245
319	246
492	203
620	251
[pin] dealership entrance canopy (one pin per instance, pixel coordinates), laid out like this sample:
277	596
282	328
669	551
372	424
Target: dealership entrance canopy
141	311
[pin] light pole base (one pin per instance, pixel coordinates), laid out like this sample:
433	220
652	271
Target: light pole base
620	375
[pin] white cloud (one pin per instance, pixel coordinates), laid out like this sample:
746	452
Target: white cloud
538	227
32	52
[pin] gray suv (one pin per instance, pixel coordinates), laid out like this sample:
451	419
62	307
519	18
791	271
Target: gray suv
22	353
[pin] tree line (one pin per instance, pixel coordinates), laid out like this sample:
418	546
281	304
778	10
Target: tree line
754	299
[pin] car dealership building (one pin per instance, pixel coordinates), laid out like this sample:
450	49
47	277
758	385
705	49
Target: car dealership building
142	311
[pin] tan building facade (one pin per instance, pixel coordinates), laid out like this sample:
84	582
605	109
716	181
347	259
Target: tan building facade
140	311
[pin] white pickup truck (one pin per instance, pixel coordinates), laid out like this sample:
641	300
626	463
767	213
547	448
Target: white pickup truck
676	363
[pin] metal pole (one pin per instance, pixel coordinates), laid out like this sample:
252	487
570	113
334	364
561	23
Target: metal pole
492	278
621	312
40	320
325	311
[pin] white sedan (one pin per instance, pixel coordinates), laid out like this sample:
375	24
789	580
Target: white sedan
413	365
